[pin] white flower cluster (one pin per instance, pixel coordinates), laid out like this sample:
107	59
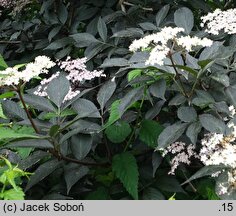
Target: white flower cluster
230	184
7	3
13	76
182	152
77	72
218	149
220	21
159	42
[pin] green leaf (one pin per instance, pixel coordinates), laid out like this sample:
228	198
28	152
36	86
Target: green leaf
134	74
118	132
1	112
114	114
3	64
102	29
149	132
170	134
7	95
64	113
53	130
13	194
8	133
184	18
57	89
126	170
105	93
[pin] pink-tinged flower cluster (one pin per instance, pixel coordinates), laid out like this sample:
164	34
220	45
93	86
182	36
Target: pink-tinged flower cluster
181	154
77	73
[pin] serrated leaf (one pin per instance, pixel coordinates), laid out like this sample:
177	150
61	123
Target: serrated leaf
105	93
184	18
62	13
177	100
73	173
81	145
84	39
114	114
126	170
86	108
131	97
13	110
13	194
193	131
34	143
149	132
8	133
203	99
133	74
38	102
114	62
33	159
187	114
57	89
1	112
42	172
3	64
170	134
231	94
152	194
156	162
161	15
223	182
205	171
53	32
102	29
212	124
118	132
158	89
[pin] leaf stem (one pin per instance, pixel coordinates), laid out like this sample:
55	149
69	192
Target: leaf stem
27	111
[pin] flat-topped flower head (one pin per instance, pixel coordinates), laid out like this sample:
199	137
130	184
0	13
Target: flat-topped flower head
77	72
161	43
220	21
13	75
